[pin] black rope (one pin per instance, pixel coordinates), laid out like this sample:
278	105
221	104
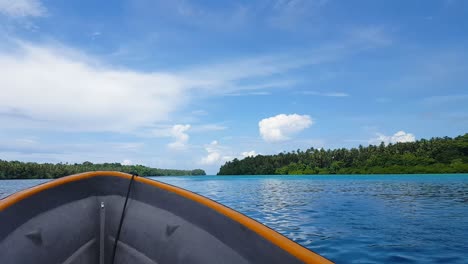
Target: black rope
122	218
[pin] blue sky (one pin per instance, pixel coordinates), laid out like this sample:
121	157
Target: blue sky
192	84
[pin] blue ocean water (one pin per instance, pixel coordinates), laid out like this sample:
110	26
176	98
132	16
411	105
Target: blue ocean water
348	219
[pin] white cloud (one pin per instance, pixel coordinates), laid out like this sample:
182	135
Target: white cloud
126	162
22	8
178	131
400	136
251	153
56	88
52	87
181	138
281	127
215	155
211	158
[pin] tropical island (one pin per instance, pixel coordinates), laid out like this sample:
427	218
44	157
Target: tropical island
32	170
436	155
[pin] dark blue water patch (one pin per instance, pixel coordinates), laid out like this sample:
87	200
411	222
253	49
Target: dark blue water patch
8	187
348	219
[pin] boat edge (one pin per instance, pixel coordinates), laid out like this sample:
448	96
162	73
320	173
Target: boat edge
293	248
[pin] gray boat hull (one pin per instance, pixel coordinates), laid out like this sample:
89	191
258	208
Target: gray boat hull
76	221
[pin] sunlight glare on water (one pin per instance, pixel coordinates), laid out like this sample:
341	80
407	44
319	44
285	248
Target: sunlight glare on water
354	219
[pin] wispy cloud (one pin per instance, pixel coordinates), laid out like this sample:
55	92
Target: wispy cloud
258	88
84	93
328	94
431	71
22	145
95	34
248	93
445	99
228	15
22	8
199	112
286	14
371	35
336	94
229	77
31	146
208	127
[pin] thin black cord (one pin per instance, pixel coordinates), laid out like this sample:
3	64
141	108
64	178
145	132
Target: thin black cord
121	219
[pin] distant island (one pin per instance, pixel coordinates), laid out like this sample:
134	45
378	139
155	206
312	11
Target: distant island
32	170
436	155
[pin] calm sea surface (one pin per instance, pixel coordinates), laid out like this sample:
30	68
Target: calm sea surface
348	219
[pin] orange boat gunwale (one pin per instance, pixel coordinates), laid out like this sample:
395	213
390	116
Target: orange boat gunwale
269	234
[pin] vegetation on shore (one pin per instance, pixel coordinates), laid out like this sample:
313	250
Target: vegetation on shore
32	170
436	155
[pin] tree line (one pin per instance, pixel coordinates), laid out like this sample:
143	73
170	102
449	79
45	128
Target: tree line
32	170
436	155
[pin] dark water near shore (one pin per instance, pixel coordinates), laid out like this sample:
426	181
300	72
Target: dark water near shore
348	219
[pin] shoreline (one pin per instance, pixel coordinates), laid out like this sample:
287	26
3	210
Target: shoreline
280	175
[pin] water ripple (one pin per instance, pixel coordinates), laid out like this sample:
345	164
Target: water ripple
348	219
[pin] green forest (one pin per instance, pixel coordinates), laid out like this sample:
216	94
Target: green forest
32	170
436	155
